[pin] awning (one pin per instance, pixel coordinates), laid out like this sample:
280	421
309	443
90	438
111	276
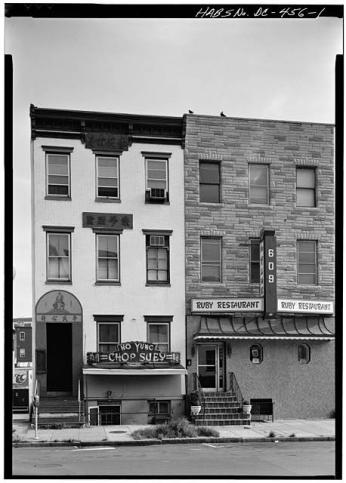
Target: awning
281	328
134	371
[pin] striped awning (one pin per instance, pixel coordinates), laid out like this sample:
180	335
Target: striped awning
281	328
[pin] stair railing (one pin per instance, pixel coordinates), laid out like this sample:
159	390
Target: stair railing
36	401
198	387
234	387
79	401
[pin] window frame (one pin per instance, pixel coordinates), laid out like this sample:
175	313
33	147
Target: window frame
107	280
155	159
254	241
165	247
100	322
160	323
308	353
22	336
157	403
59	233
212	163
108	156
314	189
66	154
22	354
315	264
203	263
262	165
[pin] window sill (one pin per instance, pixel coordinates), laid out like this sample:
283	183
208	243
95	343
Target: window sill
299	208
99	199
158	284
107	283
302	285
209	203
58	282
254	205
58	198
223	284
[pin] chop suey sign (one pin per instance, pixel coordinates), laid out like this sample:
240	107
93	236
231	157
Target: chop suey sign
134	352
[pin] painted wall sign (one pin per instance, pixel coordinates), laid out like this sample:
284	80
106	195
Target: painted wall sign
227	305
268	271
20	378
134	353
305	306
58	306
115	221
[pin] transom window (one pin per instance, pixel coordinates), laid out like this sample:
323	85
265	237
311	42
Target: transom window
107	247
254	260
58	174
209	182
304	353
107	176
157	247
159	334
58	259
306	187
259	184
108	335
210	259
307	262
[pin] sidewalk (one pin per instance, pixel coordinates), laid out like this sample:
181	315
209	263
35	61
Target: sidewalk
292	430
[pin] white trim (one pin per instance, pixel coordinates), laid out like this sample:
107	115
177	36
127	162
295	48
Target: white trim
261	337
95	371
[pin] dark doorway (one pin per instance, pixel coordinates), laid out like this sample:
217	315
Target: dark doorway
59	357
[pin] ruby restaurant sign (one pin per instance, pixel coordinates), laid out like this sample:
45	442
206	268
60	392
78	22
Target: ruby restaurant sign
227	305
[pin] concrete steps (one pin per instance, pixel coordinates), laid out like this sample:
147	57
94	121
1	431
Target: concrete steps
59	413
221	409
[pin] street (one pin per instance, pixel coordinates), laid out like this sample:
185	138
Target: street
247	459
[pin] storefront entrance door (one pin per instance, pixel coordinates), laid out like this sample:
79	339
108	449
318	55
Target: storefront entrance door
210	367
59	357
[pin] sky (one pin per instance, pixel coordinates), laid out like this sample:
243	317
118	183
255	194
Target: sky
253	68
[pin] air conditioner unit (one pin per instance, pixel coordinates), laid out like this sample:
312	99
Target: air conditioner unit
157	241
157	193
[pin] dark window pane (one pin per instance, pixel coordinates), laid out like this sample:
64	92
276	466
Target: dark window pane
258	195
307	246
58	190
255	273
255	251
111	192
209	173
108	333
210	193
307	279
57	164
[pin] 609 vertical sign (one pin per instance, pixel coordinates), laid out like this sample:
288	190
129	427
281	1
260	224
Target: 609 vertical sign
268	272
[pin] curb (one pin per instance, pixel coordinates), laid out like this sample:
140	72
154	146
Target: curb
147	442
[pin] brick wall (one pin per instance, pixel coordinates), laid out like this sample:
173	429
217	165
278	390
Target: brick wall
283	145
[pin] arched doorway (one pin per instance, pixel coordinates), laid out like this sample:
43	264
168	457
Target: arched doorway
59	343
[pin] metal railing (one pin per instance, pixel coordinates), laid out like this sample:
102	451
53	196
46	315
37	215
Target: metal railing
198	387
234	387
79	401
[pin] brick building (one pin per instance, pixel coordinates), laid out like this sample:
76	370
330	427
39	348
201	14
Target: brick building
256	189
22	364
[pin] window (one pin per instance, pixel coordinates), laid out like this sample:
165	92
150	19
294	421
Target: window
209	182
108	335
107	177
304	353
58	174
156	184
107	247
254	260
157	247
306	185
159	334
22	353
210	259
259	184
21	336
58	263
159	407
256	354
307	262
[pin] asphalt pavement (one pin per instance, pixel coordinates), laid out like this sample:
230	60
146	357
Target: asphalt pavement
275	459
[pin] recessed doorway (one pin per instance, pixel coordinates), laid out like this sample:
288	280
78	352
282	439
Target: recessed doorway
59	357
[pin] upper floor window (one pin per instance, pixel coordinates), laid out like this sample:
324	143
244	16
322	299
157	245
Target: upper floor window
107	177
156	178
159	334
21	336
210	259
107	264
306	187
58	174
307	262
108	335
209	182
259	184
58	256
157	247
304	353
22	353
254	260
